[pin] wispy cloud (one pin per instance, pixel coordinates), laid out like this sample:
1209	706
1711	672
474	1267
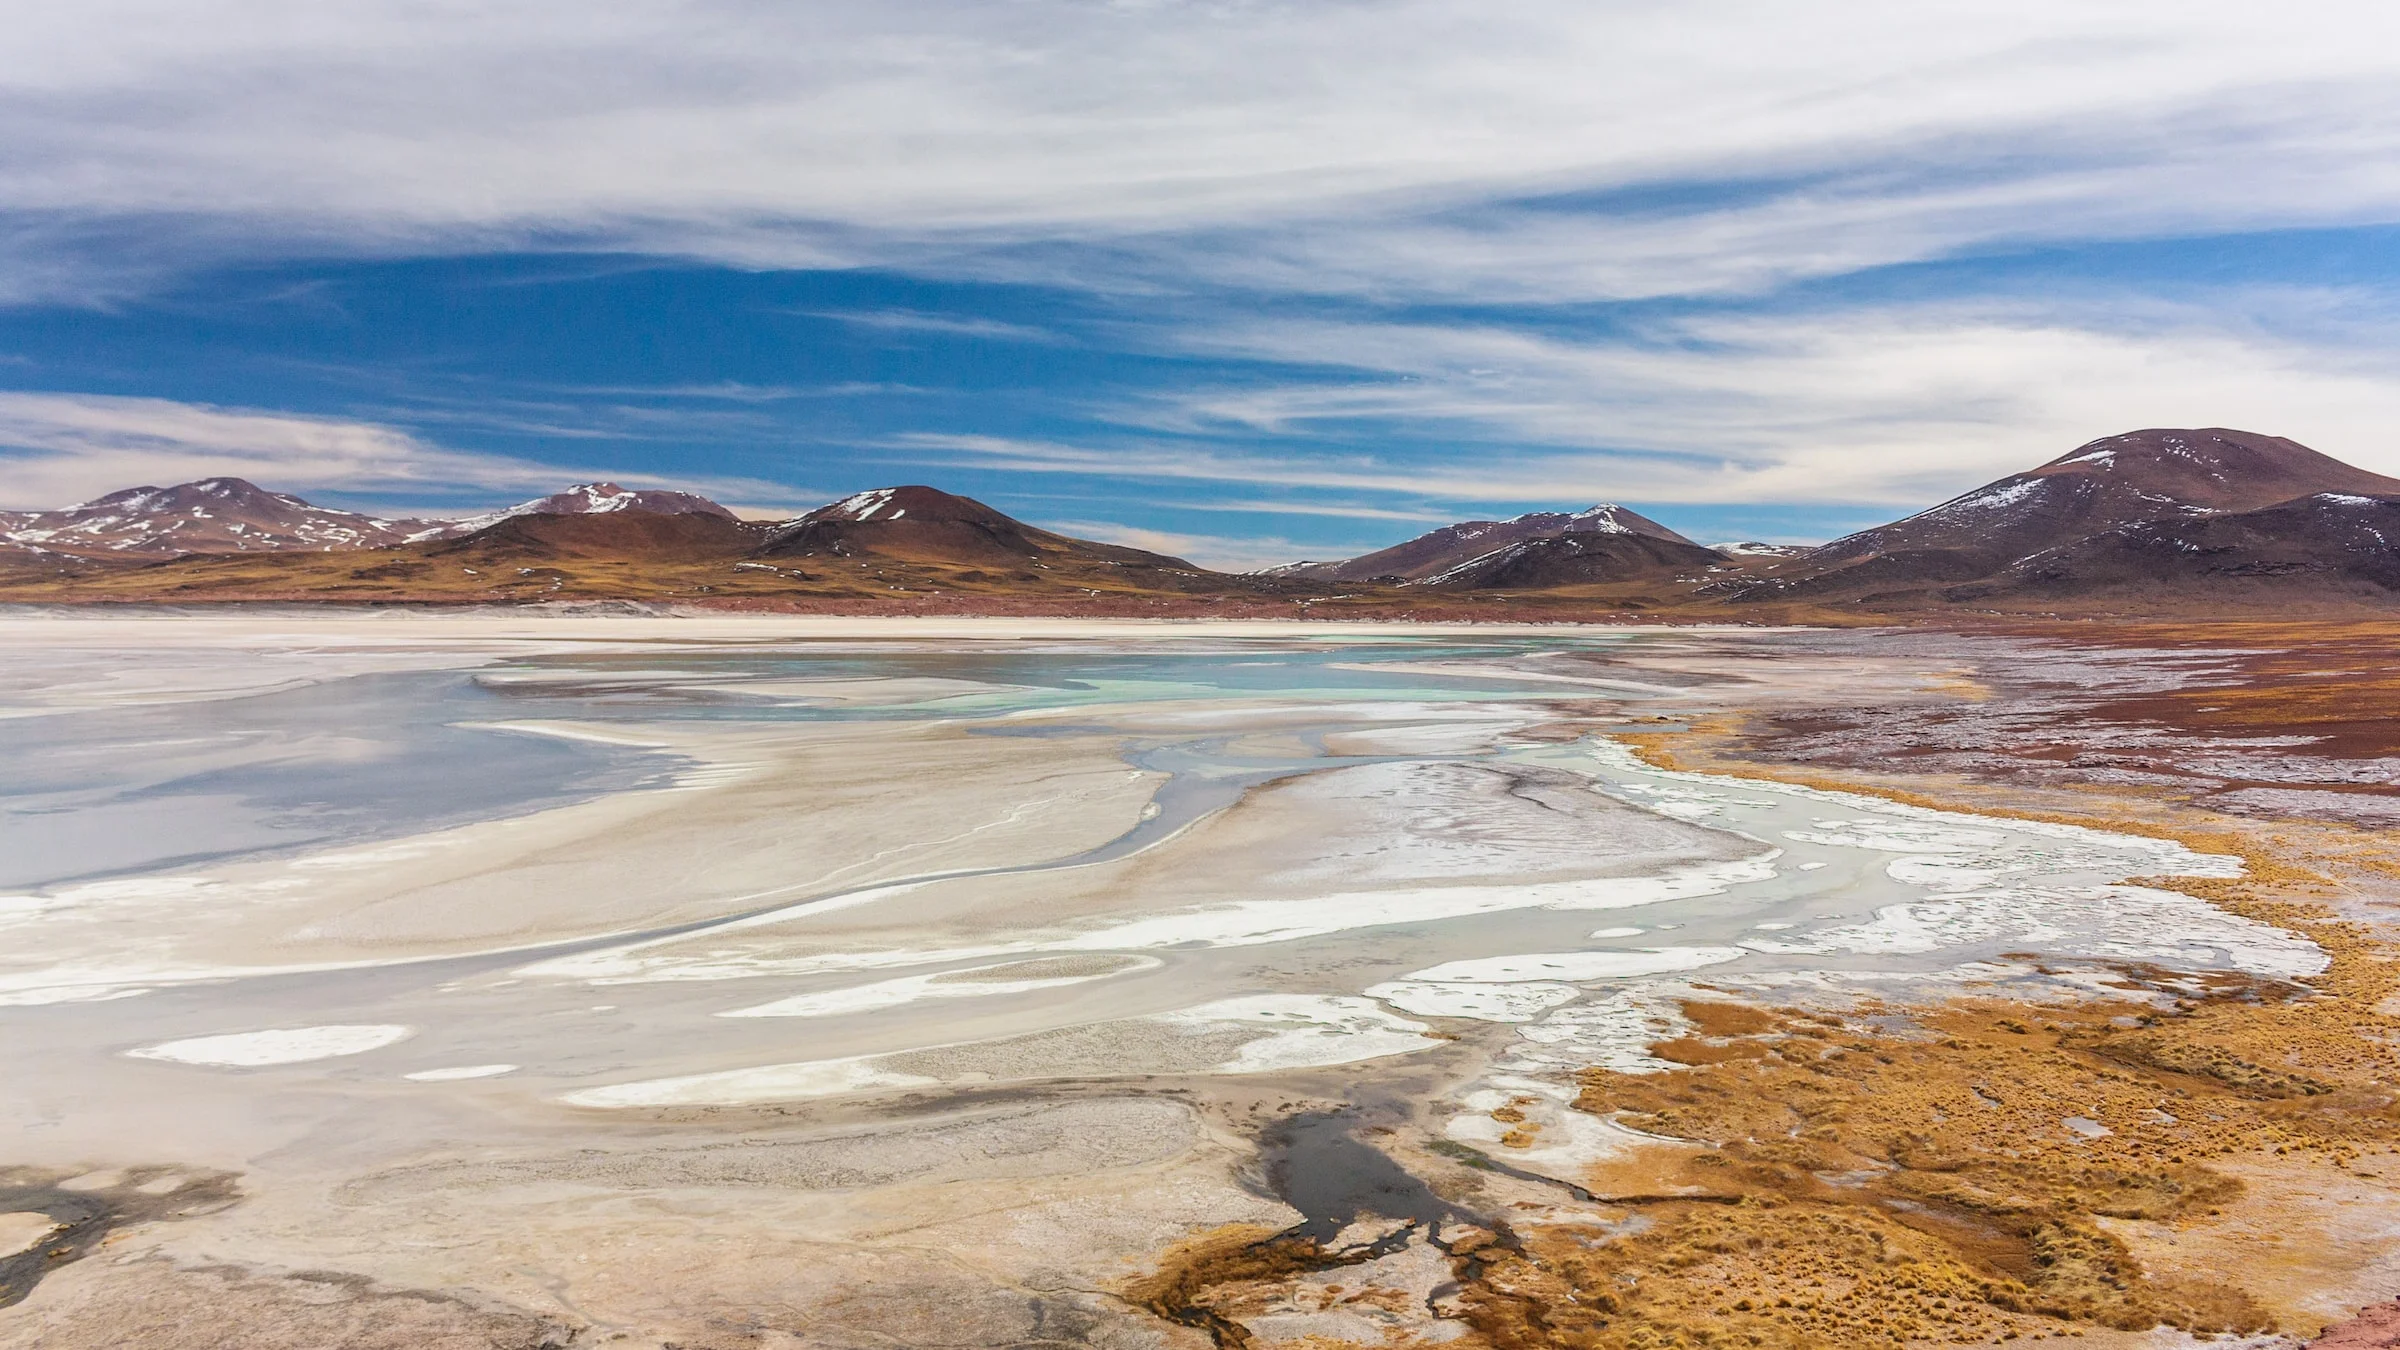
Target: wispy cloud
945	325
1408	147
1226	553
733	391
1283	506
1897	405
58	448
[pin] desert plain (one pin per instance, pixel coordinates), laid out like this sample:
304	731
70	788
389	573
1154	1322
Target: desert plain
520	979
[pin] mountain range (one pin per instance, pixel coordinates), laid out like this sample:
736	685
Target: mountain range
1541	548
2163	521
234	515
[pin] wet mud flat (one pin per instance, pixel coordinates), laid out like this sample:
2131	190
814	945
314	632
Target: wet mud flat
1343	1187
49	1219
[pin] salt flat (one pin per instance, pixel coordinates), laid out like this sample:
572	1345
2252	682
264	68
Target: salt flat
1038	915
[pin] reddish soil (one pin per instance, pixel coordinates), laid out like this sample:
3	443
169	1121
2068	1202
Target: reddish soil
2376	1328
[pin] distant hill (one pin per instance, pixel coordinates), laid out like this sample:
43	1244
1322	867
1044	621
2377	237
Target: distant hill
1570	560
913	544
2172	524
1459	551
233	515
584	499
211	515
624	535
2164	477
2324	548
923	525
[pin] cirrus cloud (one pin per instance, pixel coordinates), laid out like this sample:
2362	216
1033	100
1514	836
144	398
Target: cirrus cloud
1409	147
57	448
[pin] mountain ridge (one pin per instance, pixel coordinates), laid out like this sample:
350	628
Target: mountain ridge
234	515
2156	474
1448	548
2163	521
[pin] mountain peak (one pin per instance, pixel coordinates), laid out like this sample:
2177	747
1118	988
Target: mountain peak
2213	468
920	524
207	515
912	500
583	499
1440	553
592	498
2136	480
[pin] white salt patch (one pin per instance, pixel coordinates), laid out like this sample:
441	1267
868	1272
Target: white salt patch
462	1071
1884	823
1237	924
1296	1031
1250	922
1615	932
573	731
1614	1030
1941	873
1896	836
1482	1002
771	1082
84	993
1436	739
915	988
17	909
286	1045
1565	1142
1309	1030
1575	967
2134	923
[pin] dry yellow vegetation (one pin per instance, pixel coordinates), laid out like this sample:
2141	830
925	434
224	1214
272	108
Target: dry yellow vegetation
1992	1170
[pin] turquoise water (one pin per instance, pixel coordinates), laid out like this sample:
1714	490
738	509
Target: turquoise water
1044	677
112	792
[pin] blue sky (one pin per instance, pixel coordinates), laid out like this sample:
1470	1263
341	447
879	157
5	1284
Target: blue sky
1245	280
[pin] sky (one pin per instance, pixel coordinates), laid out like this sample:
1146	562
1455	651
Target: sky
1243	280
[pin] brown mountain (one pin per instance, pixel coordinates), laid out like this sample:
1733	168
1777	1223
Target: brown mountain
2327	548
232	515
925	526
910	545
1469	543
583	499
1579	559
2160	475
211	515
621	535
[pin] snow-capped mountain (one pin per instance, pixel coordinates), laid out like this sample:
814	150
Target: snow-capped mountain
2322	548
1452	547
920	524
233	515
212	515
2115	481
2166	478
583	499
